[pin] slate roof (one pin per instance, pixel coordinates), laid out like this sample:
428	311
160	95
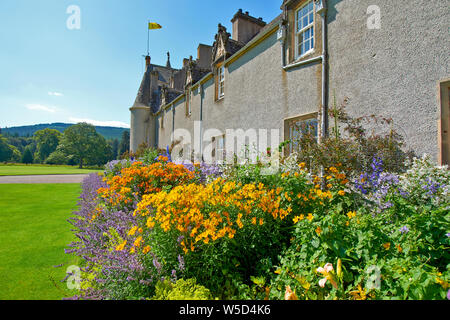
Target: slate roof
148	97
164	72
198	74
143	97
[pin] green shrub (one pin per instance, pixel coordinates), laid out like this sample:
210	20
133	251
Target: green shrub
402	253
181	290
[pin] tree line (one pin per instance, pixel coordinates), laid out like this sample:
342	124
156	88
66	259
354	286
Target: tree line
79	144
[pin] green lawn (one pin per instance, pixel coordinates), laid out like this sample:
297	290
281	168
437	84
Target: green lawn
20	170
33	234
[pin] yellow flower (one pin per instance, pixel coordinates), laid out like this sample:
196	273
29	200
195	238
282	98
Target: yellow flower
341	192
146	250
132	231
387	245
261	221
310	217
359	294
444	284
351	214
298	218
138	241
121	246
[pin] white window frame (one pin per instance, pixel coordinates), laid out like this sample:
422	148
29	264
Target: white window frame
299	32
299	121
221	82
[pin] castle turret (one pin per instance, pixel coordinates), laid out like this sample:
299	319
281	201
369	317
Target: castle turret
141	111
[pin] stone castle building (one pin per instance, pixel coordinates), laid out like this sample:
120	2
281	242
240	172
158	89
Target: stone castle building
390	58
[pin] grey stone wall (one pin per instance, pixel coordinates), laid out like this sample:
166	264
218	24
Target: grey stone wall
393	71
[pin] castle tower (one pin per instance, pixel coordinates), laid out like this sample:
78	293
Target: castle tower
141	111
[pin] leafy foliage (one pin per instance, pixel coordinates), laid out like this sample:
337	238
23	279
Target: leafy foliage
47	141
181	290
84	145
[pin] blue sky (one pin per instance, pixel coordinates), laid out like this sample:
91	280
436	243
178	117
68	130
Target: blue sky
49	73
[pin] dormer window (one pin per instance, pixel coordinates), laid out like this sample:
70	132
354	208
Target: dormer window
304	29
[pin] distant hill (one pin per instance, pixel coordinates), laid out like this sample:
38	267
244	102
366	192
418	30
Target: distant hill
107	132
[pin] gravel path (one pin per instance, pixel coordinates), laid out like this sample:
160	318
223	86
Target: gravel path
70	178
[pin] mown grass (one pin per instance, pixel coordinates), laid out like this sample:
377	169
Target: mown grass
33	234
18	170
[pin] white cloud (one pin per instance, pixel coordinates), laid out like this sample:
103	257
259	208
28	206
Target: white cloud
56	94
40	107
101	123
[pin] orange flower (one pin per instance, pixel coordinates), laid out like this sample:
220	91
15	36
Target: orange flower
289	294
146	250
318	231
121	246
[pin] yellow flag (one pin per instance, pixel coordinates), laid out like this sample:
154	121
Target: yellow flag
153	25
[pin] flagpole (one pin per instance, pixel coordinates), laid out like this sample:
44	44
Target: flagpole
148	38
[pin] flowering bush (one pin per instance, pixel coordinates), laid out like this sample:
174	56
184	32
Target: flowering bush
238	233
426	183
400	255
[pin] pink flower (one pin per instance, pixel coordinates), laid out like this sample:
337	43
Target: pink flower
327	271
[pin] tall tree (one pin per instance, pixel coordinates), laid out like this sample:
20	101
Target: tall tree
27	156
85	145
6	151
124	142
114	148
47	140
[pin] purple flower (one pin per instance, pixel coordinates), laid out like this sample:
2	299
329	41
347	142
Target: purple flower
448	235
180	263
174	275
448	294
404	229
157	264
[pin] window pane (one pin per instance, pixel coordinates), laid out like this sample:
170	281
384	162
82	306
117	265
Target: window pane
305	21
307	46
312	43
311	17
307	34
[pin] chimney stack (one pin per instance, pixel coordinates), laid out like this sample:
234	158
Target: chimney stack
246	27
204	56
147	61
